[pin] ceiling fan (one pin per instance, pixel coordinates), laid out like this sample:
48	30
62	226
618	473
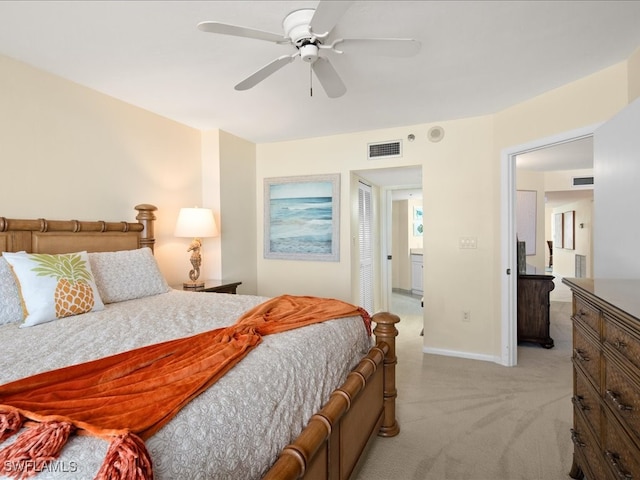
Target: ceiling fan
309	31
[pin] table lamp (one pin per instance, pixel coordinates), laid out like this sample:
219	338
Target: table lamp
197	223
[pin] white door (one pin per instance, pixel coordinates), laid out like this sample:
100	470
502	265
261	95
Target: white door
616	195
365	221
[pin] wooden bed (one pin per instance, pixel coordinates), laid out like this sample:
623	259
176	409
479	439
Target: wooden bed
335	437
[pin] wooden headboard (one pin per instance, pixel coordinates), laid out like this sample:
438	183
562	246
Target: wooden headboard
66	236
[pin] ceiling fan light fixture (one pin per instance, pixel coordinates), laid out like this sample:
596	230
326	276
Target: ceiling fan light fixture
309	52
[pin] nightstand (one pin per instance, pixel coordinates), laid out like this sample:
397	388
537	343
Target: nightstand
216	286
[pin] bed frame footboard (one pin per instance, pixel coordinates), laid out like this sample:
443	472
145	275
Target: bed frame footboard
333	441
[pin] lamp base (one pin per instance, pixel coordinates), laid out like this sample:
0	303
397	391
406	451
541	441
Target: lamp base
193	285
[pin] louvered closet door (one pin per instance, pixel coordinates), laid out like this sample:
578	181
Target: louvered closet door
365	221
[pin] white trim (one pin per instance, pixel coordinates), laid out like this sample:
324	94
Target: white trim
508	302
458	354
508	269
385	247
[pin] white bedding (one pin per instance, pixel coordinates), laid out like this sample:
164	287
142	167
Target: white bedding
236	428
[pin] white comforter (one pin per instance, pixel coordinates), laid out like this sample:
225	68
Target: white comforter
236	428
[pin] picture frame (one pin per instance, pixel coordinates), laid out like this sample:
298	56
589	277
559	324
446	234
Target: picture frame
302	218
568	240
558	229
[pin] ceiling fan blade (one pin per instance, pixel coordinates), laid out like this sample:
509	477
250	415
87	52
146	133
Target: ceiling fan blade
226	29
329	78
327	15
390	47
269	69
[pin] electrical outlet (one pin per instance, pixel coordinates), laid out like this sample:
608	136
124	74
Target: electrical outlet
466	316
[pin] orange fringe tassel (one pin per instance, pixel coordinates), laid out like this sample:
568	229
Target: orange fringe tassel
34	448
126	459
10	423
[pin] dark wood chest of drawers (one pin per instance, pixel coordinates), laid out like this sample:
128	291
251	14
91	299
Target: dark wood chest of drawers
606	379
533	309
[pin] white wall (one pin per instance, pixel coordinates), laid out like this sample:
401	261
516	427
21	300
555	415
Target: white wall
617	196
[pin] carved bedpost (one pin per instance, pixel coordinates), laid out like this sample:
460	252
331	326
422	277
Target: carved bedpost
386	331
146	217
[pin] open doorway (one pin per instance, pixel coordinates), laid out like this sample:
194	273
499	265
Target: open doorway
560	178
509	234
397	184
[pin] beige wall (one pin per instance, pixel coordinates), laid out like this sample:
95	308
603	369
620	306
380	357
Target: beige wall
462	172
534	181
238	211
401	264
70	152
563	258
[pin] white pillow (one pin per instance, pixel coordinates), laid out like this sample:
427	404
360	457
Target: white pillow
10	306
54	286
127	274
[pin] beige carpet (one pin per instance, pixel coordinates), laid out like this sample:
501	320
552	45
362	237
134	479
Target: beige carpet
473	420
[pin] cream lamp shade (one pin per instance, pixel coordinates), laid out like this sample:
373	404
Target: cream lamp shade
197	223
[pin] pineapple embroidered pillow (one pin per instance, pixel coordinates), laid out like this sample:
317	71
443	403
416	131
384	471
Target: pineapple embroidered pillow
54	286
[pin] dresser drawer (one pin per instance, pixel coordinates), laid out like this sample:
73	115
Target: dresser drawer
623	396
587	401
623	342
586	355
587	451
587	313
620	455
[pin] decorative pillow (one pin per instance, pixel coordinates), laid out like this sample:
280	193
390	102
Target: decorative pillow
54	286
127	274
10	305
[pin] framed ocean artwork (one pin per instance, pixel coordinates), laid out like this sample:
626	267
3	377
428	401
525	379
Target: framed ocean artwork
302	218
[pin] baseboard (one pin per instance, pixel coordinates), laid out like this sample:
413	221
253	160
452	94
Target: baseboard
469	355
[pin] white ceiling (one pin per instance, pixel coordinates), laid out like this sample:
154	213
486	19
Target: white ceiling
477	58
573	155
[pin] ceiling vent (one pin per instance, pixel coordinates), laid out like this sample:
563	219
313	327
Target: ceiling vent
578	182
384	149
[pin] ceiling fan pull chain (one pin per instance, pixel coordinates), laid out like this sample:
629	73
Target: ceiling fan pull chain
310	80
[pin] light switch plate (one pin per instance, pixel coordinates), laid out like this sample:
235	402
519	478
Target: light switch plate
468	242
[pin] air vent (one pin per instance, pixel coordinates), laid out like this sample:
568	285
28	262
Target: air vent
385	149
582	181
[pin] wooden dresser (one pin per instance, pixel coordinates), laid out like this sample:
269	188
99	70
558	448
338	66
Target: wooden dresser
606	378
533	309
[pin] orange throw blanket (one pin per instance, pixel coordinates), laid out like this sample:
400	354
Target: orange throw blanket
126	398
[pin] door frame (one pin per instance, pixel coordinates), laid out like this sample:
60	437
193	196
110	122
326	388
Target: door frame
508	270
386	247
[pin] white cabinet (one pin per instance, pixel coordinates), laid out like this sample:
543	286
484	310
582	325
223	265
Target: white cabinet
416	274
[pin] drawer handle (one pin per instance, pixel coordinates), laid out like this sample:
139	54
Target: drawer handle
579	354
581	313
615	398
614	460
577	401
575	438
